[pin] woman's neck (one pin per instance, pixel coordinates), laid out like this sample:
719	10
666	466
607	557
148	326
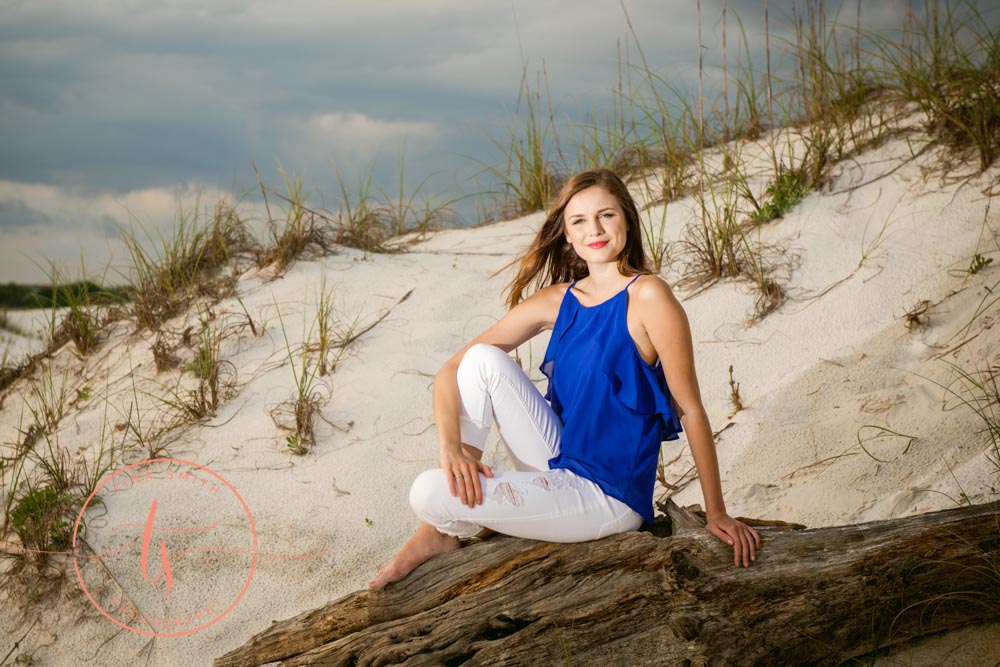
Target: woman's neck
603	282
604	276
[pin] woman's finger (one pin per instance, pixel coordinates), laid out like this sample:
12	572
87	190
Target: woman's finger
742	538
478	486
754	542
471	479
730	538
463	489
721	534
745	541
458	479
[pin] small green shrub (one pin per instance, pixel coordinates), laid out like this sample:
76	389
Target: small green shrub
783	194
40	520
979	262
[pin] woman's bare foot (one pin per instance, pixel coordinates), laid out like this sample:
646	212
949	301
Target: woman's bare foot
426	543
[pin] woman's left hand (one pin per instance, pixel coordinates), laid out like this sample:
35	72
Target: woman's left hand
742	537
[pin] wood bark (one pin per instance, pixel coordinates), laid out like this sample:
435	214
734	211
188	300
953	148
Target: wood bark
666	596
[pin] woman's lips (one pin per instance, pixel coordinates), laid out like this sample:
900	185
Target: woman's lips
597	245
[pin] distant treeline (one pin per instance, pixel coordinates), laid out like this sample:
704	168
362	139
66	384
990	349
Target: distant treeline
47	296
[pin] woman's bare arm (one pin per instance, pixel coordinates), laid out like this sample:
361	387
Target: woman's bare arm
521	323
665	323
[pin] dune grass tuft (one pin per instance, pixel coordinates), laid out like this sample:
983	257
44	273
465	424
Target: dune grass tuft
374	223
166	277
297	415
302	231
979	391
43	491
529	178
45	398
948	64
216	377
88	308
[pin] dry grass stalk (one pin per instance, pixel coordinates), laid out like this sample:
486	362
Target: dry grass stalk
734	393
164	354
917	317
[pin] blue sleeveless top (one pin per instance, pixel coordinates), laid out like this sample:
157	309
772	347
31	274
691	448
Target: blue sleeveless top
615	408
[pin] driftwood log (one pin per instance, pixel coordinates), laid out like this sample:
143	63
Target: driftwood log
664	597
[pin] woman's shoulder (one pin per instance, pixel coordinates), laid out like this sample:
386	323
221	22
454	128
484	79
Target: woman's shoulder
651	289
655	303
552	293
543	306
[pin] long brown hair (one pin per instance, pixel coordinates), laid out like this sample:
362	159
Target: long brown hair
550	259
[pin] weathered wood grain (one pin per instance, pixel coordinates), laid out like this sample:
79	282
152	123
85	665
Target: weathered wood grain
663	597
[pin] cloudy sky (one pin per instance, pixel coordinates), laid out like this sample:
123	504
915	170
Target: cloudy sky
119	109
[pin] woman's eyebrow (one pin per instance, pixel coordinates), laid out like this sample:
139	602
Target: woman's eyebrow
580	215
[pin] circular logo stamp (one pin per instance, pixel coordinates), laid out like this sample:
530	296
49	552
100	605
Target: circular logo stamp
169	547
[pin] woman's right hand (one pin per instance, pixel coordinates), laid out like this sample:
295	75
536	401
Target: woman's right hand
462	472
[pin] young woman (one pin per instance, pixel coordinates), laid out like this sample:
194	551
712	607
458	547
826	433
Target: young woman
585	454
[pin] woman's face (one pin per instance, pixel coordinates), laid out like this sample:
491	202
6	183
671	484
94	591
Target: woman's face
595	225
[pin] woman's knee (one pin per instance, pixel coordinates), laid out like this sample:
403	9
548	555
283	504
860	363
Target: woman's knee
482	359
427	491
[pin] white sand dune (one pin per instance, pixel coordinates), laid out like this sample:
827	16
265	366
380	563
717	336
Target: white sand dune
837	362
24	334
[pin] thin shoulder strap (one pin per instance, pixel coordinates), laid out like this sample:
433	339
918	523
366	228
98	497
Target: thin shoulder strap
633	280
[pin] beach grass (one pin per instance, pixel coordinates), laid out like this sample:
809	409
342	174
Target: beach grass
215	378
783	193
45	399
333	333
947	63
86	307
978	390
531	173
374	222
301	233
168	271
297	415
43	489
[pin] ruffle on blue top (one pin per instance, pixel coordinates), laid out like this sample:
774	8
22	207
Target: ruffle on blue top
638	385
642	388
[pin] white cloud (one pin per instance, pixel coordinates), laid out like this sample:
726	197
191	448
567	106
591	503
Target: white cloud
359	131
155	207
328	139
80	225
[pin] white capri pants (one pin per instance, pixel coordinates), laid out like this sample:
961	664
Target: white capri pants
532	501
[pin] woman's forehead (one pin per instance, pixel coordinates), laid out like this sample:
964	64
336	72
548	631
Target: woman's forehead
594	197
